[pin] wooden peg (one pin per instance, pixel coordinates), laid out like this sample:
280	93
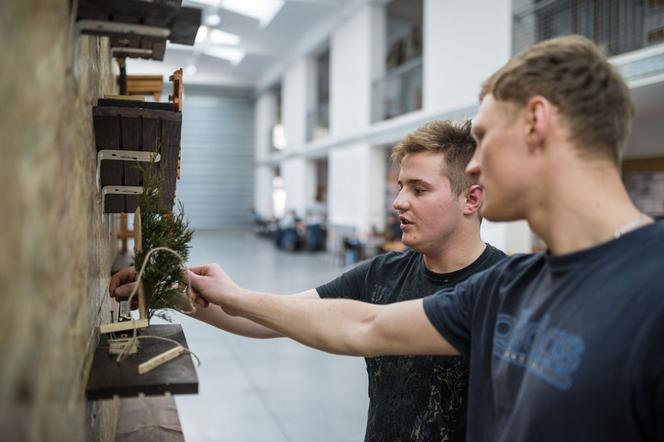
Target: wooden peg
160	359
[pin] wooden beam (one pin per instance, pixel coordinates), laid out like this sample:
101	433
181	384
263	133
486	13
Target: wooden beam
122	326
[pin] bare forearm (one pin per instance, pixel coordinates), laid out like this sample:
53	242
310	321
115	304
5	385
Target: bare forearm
335	326
215	316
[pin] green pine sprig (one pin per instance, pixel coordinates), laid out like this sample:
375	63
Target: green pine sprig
164	281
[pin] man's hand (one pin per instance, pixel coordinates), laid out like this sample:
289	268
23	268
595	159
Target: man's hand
122	284
210	283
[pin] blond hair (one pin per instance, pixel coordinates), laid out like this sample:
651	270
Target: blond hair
453	140
573	74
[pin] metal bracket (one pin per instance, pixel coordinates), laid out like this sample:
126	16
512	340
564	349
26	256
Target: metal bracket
124	155
120	51
115	28
118	190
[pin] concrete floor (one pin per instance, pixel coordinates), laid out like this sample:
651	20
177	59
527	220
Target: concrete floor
268	390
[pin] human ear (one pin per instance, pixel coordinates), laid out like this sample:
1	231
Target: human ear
538	117
473	198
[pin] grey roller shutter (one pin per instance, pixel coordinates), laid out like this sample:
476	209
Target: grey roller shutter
216	185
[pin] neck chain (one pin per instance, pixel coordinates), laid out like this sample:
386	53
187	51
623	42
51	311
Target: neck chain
631	225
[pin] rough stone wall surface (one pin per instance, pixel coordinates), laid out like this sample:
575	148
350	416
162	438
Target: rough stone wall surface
56	244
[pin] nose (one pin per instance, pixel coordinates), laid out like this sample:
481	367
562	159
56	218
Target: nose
473	167
400	203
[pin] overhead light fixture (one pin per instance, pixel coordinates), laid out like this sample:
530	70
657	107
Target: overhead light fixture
191	69
234	55
202	34
213	19
223	38
262	10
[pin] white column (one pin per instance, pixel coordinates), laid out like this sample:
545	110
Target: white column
294	173
266	110
356	192
464	43
294	97
263	190
350	74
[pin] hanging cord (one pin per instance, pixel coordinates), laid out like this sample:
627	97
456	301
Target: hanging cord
135	338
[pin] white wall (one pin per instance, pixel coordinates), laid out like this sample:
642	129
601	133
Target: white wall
294	99
356	192
294	173
350	74
464	43
512	237
263	190
265	115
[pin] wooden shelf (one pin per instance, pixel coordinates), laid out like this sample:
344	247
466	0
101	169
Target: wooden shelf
139	28
109	378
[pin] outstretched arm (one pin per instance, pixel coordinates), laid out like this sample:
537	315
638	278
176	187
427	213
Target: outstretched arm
334	325
123	283
216	316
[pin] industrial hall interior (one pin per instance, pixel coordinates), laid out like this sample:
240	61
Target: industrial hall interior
197	192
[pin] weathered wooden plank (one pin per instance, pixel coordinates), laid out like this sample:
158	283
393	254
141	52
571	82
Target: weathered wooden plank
106	129
132	135
170	151
185	27
108	378
114	203
107	136
137	104
158	49
134	128
138	112
151	134
153	13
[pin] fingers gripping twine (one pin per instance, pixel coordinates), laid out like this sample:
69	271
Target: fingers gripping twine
135	338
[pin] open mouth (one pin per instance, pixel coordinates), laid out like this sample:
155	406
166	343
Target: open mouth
404	221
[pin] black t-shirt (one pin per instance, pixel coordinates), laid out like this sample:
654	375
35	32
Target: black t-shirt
412	398
564	348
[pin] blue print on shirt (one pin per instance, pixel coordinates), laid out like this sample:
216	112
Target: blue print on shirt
549	353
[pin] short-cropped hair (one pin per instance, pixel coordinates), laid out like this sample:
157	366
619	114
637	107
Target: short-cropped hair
575	75
453	140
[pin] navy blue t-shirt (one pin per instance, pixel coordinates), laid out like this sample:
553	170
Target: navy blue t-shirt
563	348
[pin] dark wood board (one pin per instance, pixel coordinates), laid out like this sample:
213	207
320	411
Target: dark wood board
153	13
137	104
108	378
185	27
126	127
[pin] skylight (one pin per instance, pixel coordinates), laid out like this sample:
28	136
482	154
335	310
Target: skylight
219	37
262	10
234	55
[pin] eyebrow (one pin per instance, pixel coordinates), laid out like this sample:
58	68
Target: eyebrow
415	182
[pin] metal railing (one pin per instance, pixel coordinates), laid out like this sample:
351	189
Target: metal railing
398	92
318	122
618	26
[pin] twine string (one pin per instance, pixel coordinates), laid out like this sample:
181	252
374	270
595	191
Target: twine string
135	338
